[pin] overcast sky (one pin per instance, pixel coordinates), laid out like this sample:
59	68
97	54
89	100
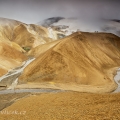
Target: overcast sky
33	11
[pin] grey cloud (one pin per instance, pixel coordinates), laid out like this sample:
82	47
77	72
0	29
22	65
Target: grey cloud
33	11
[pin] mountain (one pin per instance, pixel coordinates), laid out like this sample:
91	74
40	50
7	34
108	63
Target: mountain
16	38
30	36
11	54
80	62
10	57
71	25
6	28
25	35
35	52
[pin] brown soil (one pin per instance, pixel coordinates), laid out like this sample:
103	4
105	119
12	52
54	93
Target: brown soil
66	106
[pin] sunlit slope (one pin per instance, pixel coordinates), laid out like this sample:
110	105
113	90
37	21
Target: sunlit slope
10	57
30	36
2	71
35	52
27	36
16	38
11	54
6	28
6	32
79	62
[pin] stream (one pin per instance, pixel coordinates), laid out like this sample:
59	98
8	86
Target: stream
10	79
13	76
30	91
117	80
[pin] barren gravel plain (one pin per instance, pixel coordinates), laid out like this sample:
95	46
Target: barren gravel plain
64	106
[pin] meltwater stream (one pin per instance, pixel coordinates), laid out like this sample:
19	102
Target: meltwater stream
14	72
30	91
17	70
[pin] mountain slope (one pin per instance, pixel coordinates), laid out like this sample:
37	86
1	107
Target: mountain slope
16	38
10	57
6	28
80	62
11	54
25	35
35	52
31	35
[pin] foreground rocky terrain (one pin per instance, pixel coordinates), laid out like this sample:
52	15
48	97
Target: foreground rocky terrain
64	106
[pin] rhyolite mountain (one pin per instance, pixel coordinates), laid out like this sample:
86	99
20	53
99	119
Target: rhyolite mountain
16	38
82	62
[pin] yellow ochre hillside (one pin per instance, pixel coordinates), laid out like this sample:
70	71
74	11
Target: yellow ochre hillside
30	36
10	57
6	28
81	62
27	36
16	38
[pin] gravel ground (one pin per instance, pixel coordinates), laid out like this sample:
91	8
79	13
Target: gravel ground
65	106
8	99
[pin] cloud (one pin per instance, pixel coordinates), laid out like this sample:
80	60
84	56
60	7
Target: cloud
33	11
